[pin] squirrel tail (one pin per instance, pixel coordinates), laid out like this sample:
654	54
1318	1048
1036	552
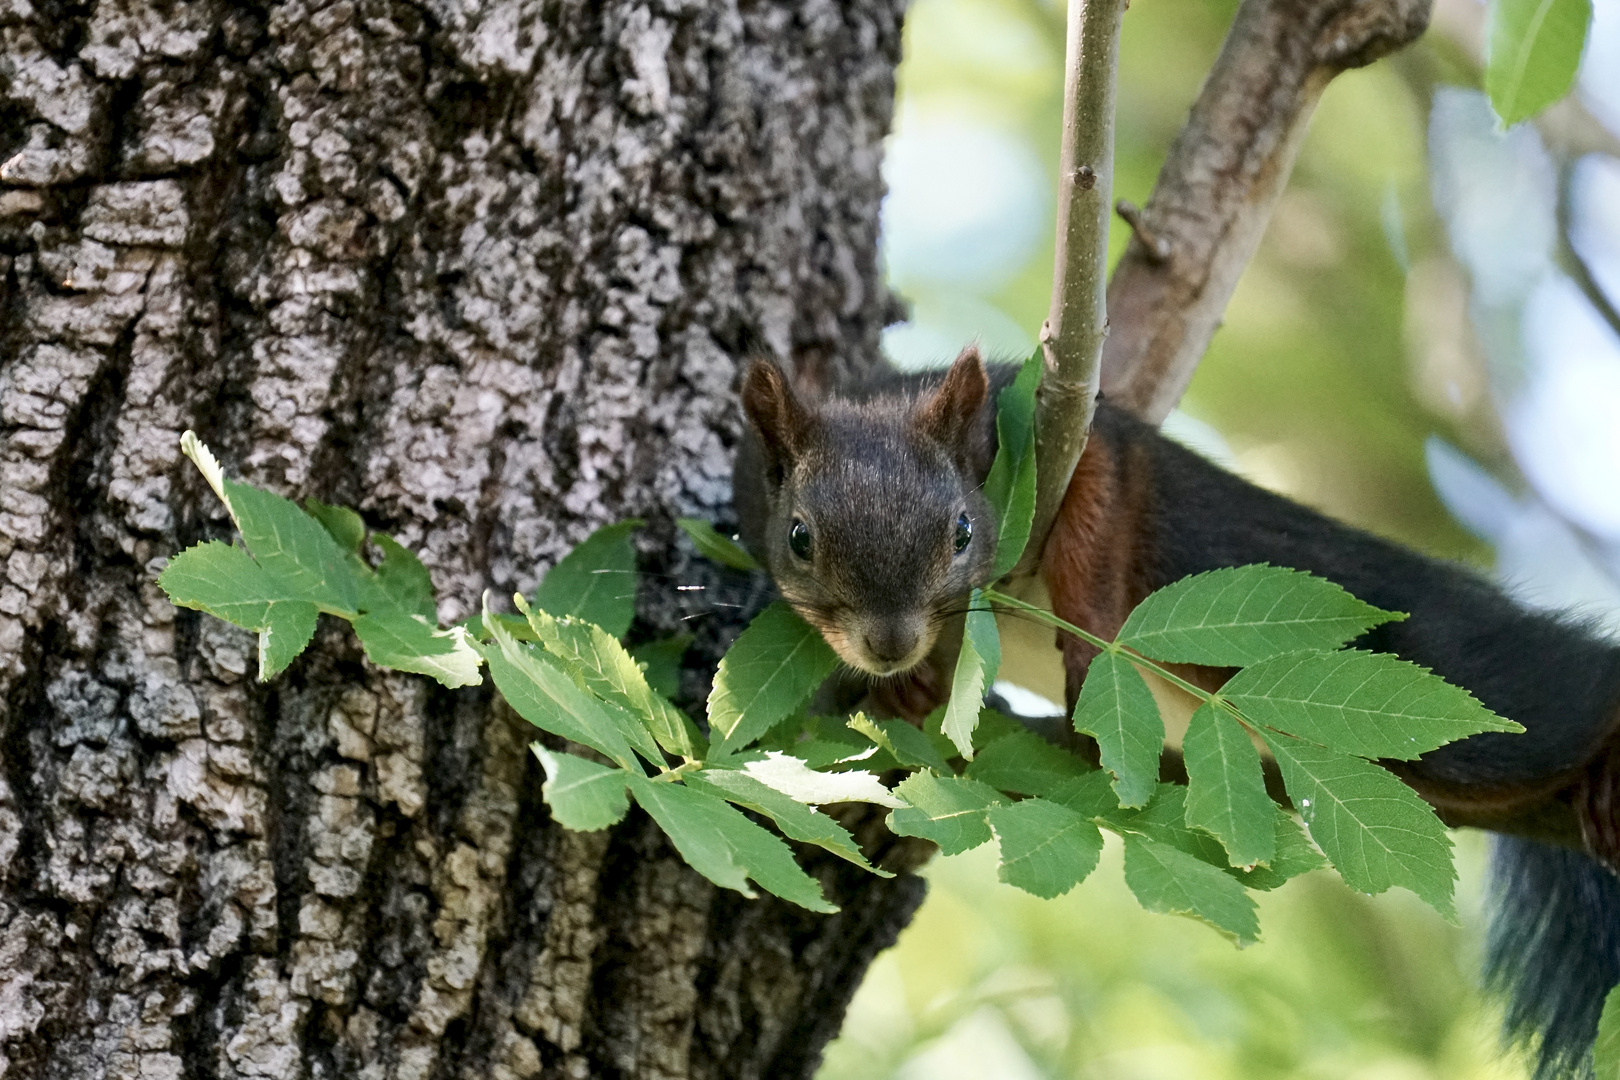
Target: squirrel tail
1553	950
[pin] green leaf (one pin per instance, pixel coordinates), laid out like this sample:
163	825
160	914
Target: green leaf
1226	791
1164	820
605	667
583	795
1173	882
1025	763
948	810
404	581
547	698
596	581
1374	829
1046	849
906	744
720	843
715	547
1606	1051
342	523
1117	709
1010	485
976	666
1295	855
772	668
1533	50
661	661
225	582
1368	704
795	819
1242	615
1092	796
393	639
293	548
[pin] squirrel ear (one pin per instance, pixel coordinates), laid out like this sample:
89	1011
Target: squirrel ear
953	414
782	422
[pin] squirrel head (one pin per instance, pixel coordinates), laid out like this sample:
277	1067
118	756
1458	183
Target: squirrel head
869	512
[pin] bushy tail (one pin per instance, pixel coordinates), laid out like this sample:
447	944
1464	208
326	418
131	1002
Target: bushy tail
1553	951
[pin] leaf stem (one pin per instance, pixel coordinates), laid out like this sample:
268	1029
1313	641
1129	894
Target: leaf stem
1136	658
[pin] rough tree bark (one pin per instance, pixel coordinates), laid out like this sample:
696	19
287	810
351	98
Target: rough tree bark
481	271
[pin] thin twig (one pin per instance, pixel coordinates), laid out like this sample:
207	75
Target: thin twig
1077	324
1570	259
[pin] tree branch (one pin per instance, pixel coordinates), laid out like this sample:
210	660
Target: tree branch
1222	178
1077	324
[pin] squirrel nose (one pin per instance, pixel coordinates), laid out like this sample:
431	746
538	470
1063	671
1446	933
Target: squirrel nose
890	644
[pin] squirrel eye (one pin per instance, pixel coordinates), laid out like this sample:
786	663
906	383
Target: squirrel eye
799	539
964	532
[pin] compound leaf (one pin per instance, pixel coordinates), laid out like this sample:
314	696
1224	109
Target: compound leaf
583	795
976	666
948	810
344	524
225	582
1025	763
1242	615
661	661
1117	709
719	842
1010	485
596	581
1171	881
293	548
1533	50
1046	848
394	639
772	669
1226	791
1374	829
795	819
715	547
1368	704
403	581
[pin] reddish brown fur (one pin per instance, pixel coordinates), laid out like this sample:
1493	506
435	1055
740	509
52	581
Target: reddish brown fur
1096	560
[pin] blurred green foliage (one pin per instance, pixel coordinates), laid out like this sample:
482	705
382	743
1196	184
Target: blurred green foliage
1346	345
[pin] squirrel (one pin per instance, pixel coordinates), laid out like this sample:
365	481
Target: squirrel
866	509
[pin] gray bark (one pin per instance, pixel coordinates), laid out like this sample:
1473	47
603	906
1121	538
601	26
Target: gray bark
482	271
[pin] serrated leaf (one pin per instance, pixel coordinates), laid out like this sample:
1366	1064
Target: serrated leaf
661	661
1606	1050
1368	704
1116	708
715	547
1173	882
1242	615
976	666
225	582
1010	485
605	667
549	699
1046	849
793	778
1532	53
1163	820
596	581
393	639
583	795
1090	795
906	744
293	548
343	524
1295	855
770	670
1373	828
719	842
1025	763
795	819
403	580
1226	791
948	810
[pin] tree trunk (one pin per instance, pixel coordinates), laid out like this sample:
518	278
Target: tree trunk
483	272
